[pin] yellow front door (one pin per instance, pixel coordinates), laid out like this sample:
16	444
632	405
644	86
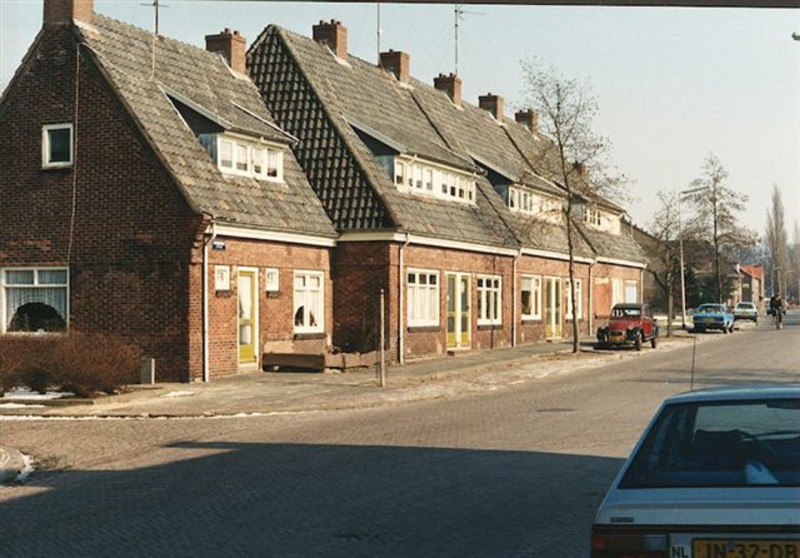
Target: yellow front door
458	311
248	335
552	308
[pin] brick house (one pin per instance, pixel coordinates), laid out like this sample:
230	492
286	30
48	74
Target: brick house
148	194
438	204
751	284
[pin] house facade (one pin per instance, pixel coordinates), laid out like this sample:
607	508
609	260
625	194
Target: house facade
149	195
441	200
217	207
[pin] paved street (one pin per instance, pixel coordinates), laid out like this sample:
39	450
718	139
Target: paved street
510	471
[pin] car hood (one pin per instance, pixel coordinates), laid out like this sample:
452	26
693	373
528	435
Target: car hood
705	506
623	323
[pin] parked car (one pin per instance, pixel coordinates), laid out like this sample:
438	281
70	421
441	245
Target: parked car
713	316
745	311
715	474
629	324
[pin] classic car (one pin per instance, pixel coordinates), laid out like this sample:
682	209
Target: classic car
712	316
629	324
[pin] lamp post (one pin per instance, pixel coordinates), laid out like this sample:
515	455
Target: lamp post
681	195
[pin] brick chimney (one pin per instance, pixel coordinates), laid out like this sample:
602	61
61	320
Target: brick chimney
580	168
450	85
63	12
398	63
334	35
529	119
492	103
231	46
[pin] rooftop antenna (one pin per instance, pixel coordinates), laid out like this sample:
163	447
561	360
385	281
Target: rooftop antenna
459	15
378	33
156	5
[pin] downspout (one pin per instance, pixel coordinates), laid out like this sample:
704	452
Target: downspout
206	343
590	317
641	286
401	301
514	304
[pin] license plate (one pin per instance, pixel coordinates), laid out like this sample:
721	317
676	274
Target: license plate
616	337
709	320
716	548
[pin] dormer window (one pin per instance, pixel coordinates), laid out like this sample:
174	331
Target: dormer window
245	157
522	200
419	177
593	217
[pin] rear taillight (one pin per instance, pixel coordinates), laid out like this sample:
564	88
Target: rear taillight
622	543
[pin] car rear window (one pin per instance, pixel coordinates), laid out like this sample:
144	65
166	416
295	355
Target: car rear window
753	443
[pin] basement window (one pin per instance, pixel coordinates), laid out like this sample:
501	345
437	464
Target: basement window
57	145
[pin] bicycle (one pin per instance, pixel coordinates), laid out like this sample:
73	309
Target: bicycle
777	318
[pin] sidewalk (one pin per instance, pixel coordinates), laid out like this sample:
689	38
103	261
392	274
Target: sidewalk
261	394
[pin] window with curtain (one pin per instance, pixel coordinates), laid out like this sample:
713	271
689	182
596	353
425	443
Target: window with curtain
309	301
36	300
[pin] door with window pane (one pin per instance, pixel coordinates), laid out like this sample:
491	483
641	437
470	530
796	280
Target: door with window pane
458	311
248	334
552	307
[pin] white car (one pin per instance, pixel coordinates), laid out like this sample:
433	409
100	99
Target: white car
715	475
745	311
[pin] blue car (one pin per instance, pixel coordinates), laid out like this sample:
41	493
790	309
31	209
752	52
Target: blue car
713	316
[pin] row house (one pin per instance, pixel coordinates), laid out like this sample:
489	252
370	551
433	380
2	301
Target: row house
441	205
216	206
148	194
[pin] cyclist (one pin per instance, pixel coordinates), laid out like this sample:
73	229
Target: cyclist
777	309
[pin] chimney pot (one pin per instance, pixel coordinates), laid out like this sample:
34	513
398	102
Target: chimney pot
332	34
451	85
398	63
63	12
493	104
232	46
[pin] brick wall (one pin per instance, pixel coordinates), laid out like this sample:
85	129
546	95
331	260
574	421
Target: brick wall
132	232
275	310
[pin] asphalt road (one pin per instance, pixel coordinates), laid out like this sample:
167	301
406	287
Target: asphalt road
517	471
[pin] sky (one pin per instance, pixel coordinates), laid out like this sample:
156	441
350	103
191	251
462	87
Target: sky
673	85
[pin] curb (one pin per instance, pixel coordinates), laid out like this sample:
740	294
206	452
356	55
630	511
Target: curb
11	464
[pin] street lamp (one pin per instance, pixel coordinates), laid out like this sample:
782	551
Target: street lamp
681	195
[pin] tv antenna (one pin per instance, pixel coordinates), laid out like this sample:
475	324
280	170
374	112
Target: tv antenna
459	13
156	5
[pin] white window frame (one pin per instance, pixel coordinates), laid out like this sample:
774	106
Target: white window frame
311	296
419	177
222	278
272	280
578	298
243	159
536	296
423	297
490	299
5	286
631	286
47	154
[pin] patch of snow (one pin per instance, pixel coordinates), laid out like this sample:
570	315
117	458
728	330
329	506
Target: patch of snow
20	406
25	393
184	393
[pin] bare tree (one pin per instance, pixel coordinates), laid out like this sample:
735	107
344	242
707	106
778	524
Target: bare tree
665	229
777	242
566	108
716	208
795	256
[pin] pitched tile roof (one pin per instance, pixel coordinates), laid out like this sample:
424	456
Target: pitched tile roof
331	105
146	71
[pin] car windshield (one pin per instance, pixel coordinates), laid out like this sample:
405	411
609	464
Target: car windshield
752	443
745	305
710	308
626	312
